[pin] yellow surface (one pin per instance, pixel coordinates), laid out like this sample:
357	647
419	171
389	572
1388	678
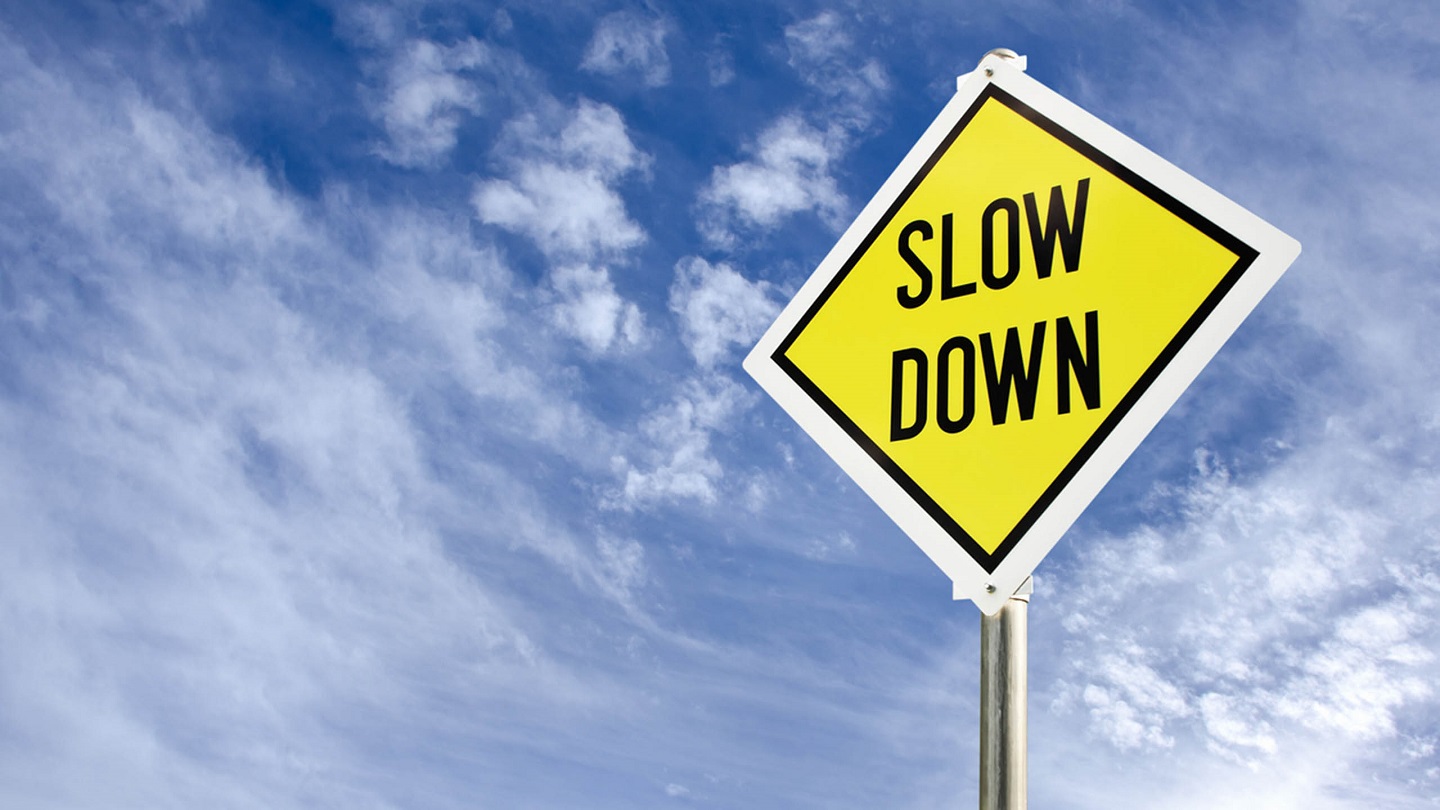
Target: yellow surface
1142	269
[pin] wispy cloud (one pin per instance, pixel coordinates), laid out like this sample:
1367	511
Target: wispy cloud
427	94
625	42
823	52
1307	626
559	191
561	194
676	460
791	161
788	174
718	308
589	309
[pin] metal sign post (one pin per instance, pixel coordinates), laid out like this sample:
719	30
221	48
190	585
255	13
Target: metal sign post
1004	695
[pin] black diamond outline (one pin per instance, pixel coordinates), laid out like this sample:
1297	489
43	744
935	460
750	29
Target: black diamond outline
1245	254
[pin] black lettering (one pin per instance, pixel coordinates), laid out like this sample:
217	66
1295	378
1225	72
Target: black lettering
1057	223
1012	373
898	430
1069	360
948	288
942	385
927	280
1012	241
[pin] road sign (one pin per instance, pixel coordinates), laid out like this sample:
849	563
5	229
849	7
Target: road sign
1006	320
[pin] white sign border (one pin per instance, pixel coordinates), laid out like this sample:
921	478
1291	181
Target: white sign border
989	590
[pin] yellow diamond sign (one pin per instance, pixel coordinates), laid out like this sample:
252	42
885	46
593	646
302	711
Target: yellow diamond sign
1007	319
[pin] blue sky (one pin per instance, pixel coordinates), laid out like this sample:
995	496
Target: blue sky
375	437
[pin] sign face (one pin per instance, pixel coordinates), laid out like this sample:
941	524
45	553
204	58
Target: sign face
1005	321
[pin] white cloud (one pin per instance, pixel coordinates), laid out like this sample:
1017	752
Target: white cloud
789	173
594	138
1359	679
1269	650
721	64
426	96
822	549
626	42
718	308
789	170
588	309
675	462
1120	722
622	563
824	54
560	192
1232	727
451	307
1135	703
565	212
371	24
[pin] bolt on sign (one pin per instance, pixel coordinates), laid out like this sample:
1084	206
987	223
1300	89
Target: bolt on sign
1007	319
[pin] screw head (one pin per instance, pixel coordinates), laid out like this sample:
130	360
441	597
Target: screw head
989	587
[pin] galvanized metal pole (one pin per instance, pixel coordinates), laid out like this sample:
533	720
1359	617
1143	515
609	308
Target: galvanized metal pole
1004	696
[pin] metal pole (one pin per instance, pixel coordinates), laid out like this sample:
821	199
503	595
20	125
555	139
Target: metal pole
1004	695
